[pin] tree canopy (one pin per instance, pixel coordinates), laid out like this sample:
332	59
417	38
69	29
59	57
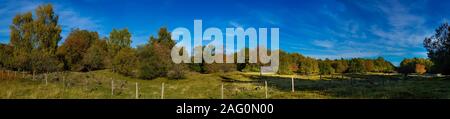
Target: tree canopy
438	47
35	36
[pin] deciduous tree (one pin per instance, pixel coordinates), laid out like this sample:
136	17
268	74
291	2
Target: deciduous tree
438	47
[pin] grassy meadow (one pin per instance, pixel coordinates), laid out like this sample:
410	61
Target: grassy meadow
237	85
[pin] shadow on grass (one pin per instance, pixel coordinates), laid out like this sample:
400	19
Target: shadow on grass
362	86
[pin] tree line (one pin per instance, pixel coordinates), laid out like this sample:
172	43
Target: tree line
34	47
291	63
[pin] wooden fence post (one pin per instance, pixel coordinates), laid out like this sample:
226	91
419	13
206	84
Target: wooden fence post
137	91
162	91
46	82
293	87
222	91
266	88
112	87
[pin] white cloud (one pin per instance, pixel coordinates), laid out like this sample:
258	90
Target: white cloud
68	18
324	43
9	8
12	7
72	19
235	24
394	54
421	54
344	55
405	28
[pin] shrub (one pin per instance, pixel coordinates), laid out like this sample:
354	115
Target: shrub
125	61
177	71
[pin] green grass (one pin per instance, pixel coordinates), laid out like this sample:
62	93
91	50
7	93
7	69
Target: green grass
237	85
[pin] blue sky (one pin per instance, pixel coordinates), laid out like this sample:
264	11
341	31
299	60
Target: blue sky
393	29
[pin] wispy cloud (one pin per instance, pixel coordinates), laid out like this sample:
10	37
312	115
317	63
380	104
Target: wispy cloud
9	8
365	29
324	43
235	24
421	54
343	55
405	28
71	19
68	17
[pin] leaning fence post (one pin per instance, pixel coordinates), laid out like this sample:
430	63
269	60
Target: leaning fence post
137	91
162	91
222	91
293	87
266	88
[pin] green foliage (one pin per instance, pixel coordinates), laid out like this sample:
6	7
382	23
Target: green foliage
20	60
47	30
75	47
164	38
438	47
415	65
325	67
43	62
287	64
125	61
119	39
34	46
247	66
155	59
152	63
5	55
199	67
368	65
177	72
356	65
35	41
382	65
340	66
308	65
219	67
95	56
22	32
